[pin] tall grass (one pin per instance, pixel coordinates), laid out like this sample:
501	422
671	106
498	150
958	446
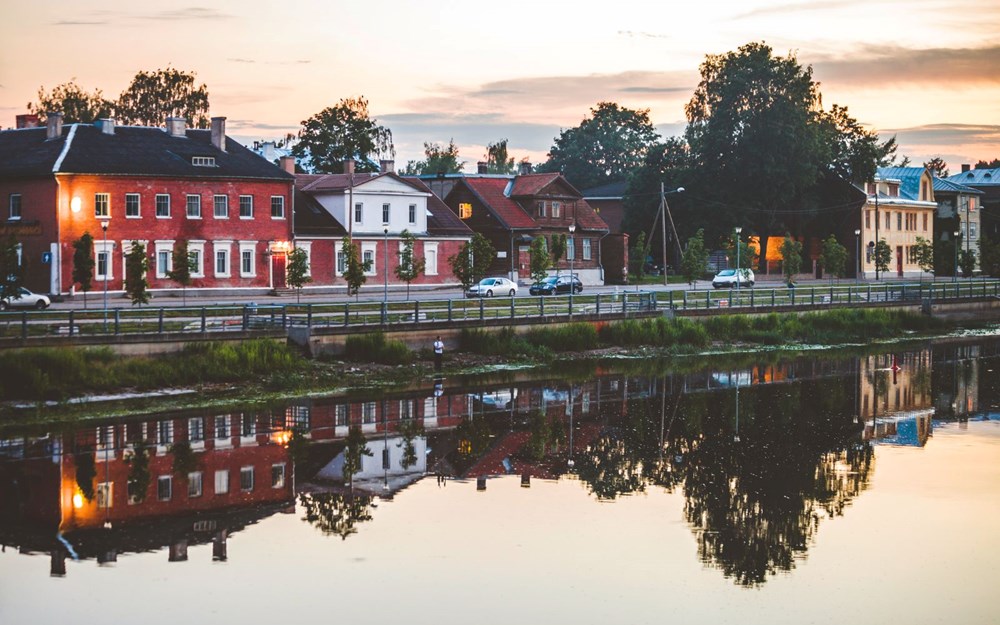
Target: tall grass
658	332
375	348
835	326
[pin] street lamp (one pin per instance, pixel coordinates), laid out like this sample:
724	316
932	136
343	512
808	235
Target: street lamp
385	273
857	253
572	256
957	233
107	267
739	272
665	210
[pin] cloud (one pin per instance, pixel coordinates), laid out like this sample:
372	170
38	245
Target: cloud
795	7
631	34
103	18
955	143
885	66
81	22
188	13
255	61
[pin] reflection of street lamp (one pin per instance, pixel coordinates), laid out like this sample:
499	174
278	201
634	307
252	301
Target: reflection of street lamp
739	271
107	267
957	233
857	253
572	255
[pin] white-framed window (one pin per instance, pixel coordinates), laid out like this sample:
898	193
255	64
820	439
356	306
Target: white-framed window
104	259
359	212
368	258
385	213
570	248
162	206
586	249
164	258
368	412
134	494
413	214
248	426
222	430
306	246
248	259
221	258
542	208
277	207
196	252
102	205
203	161
14	206
195	484
220	204
972	231
407	409
105	495
340	416
196	430
430	259
556	209
246	207
164	433
222	481
246	478
193	203
277	476
164	487
132	210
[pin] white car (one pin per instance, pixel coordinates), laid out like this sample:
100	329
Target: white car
493	287
727	278
25	299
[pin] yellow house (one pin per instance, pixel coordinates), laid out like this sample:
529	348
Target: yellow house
899	210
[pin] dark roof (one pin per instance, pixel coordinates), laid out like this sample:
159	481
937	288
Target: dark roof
944	185
441	220
131	150
610	190
315	183
312	219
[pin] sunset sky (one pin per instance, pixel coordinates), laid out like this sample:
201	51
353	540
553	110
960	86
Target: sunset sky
927	71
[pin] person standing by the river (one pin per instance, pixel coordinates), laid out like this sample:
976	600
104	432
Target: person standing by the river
438	353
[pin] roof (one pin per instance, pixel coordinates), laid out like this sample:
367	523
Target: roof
909	178
333	182
944	185
606	191
491	192
441	220
978	177
531	184
131	150
494	194
310	218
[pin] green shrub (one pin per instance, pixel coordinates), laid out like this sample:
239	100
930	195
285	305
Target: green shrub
575	337
375	348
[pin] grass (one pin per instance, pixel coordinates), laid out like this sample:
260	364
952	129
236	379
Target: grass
836	326
375	348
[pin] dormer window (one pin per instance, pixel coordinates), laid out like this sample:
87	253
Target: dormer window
203	161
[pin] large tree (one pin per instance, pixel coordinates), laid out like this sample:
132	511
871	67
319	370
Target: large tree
666	163
151	97
340	132
136	264
852	151
438	159
604	148
988	164
497	159
73	102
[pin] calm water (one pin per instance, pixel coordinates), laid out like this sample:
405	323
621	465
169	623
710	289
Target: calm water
859	490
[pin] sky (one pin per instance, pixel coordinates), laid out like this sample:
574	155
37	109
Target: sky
926	71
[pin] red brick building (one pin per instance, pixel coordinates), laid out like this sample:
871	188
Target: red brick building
155	186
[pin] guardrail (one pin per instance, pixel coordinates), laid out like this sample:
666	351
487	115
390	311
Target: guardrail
147	320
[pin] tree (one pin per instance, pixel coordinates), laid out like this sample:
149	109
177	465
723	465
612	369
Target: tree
937	167
473	260
989	257
539	259
341	132
747	257
497	160
967	262
410	267
86	472
139	476
11	271
558	249
833	258
297	271
854	152
183	266
988	164
185	461
73	102
882	256
604	148
154	96
438	160
923	252
791	257
638	256
665	164
695	258
83	264
136	265
356	447
354	268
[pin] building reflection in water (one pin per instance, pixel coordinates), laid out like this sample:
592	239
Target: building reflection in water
763	455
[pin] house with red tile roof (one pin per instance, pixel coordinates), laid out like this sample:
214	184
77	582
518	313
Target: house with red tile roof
511	211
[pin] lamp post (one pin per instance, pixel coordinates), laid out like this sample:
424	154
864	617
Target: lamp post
107	267
385	273
957	233
857	253
739	271
665	209
572	256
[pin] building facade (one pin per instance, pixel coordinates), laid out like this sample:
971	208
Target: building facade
900	209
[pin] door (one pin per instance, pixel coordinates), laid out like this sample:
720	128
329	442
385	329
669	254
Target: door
899	261
278	271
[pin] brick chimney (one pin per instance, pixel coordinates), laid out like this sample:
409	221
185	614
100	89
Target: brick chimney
524	168
106	126
482	167
177	127
53	125
219	133
387	167
287	163
966	167
27	120
348	165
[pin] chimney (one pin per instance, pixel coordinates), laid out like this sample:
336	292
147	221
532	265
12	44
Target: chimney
387	167
219	133
524	168
482	167
53	125
177	127
106	126
348	165
287	163
966	167
27	120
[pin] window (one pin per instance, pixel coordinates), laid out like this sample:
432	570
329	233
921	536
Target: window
972	230
277	207
464	210
222	260
222	482
899	221
105	492
203	161
164	433
248	426
570	248
194	207
246	262
368	258
134	494
297	418
341	262
163	259
413	213
102	205
162	206
221	204
194	484
888	220
164	487
340	416
368	412
430	259
542	209
407	409
222	426
359	212
246	478
15	206
196	252
925	222
385	213
868	220
556	209
586	249
277	476
132	205
196	429
246	207
103	270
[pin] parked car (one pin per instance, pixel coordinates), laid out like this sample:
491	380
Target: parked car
25	299
489	287
727	278
553	285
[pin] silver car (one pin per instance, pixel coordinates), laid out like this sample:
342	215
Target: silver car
25	299
490	287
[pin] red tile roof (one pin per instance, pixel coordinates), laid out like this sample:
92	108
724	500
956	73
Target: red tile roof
491	192
531	184
441	220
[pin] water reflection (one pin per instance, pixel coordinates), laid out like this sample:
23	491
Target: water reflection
763	455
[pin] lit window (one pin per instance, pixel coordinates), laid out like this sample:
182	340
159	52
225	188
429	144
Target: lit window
105	493
464	210
132	205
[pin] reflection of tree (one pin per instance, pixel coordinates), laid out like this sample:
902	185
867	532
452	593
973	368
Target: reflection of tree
138	471
355	447
409	430
474	437
336	513
86	472
546	435
609	468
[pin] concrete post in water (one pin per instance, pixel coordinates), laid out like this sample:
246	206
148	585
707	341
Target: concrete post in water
481	482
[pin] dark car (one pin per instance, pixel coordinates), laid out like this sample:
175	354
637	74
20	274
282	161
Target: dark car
554	285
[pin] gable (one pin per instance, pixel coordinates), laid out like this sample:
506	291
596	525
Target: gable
387	185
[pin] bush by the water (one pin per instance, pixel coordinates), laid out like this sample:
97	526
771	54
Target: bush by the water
375	348
658	332
835	326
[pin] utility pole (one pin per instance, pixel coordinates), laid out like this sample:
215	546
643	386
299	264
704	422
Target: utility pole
875	250
665	209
